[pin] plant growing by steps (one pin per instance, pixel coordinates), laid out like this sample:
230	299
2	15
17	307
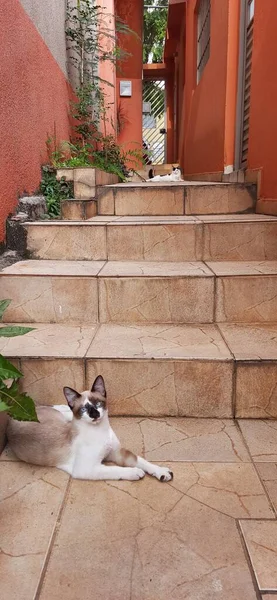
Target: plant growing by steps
54	191
17	404
91	40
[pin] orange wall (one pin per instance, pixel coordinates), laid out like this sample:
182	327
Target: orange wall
34	97
131	70
209	107
263	107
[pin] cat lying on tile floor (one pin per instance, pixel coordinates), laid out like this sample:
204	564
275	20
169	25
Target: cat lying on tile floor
77	439
174	176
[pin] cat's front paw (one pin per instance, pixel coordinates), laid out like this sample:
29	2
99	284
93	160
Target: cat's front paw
136	473
163	474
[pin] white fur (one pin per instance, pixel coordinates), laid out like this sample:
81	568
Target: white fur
174	176
96	442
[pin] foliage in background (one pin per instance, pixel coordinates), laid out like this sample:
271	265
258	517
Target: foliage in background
155	21
17	404
91	40
53	190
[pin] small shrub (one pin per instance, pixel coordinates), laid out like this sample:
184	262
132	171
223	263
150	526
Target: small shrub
54	191
17	404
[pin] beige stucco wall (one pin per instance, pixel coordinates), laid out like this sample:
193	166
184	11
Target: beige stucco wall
49	17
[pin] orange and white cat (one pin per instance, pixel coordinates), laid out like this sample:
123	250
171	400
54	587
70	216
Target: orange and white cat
78	438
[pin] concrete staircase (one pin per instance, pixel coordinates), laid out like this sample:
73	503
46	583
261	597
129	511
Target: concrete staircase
170	293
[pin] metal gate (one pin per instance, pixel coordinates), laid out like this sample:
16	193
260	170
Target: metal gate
154	120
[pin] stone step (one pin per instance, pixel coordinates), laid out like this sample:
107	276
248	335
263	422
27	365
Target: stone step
170	238
190	198
82	292
159	370
87	292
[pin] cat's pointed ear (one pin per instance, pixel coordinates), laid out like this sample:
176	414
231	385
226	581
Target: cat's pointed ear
99	386
71	396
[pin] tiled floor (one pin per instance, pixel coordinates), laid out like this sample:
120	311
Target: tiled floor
211	533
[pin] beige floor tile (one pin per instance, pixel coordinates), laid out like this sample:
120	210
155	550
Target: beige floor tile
163	543
197	440
155	242
154	200
44	379
159	341
240	241
66	241
230	488
156	299
59	341
55	268
31	498
246	299
42	299
185	388
251	342
228	268
217	199
269	597
261	541
261	438
268	474
256	390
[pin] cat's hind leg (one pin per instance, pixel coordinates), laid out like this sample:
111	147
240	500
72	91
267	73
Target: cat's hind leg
107	472
126	458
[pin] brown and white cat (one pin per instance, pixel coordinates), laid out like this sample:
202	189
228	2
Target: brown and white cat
77	439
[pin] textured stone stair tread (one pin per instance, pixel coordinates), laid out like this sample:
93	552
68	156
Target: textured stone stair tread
65	268
242	268
54	268
86	268
224	342
159	219
146	184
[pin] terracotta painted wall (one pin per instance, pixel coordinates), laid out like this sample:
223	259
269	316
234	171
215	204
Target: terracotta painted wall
209	106
34	97
131	69
263	107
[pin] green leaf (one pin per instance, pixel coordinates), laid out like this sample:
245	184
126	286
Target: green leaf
3	406
7	370
20	406
3	305
13	331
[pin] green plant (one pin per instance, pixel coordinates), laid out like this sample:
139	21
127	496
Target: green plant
155	20
92	38
17	404
53	190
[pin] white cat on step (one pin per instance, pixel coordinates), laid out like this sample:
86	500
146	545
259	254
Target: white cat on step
78	438
174	176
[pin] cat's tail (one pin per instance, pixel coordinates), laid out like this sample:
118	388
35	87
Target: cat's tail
151	174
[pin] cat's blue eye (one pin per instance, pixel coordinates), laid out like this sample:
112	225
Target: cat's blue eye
98	404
